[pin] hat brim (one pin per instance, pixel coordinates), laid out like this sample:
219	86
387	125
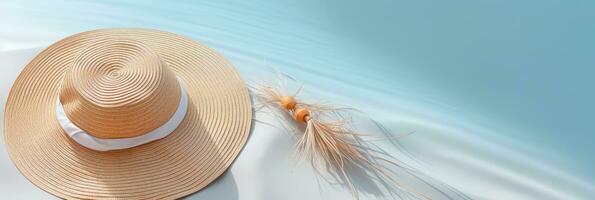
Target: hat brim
210	137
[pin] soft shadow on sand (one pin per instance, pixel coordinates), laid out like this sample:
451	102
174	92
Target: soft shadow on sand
224	188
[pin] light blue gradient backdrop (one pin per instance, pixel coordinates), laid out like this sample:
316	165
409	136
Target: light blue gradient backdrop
521	69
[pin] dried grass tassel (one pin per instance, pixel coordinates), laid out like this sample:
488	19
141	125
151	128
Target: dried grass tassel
329	143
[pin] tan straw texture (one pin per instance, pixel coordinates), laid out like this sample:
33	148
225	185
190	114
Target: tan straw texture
118	88
117	83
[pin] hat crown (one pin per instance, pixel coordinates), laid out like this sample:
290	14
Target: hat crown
119	88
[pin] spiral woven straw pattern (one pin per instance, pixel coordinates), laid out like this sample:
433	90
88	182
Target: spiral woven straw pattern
123	87
118	88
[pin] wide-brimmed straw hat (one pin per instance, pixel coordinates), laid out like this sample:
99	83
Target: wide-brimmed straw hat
126	114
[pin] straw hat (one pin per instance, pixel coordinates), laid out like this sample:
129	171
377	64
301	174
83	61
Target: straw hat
126	114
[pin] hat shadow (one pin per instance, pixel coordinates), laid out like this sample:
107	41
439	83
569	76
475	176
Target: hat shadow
222	187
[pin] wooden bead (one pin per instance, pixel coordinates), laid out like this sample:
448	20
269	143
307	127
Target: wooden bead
288	102
301	114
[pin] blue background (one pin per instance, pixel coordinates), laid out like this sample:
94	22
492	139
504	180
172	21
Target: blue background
523	70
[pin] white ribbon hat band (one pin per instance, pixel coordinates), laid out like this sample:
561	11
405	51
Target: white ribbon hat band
99	144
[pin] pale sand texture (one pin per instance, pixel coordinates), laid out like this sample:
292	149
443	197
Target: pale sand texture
472	163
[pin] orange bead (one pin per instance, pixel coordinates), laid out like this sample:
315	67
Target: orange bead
288	102
301	114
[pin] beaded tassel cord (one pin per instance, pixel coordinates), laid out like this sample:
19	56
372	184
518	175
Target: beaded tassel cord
329	144
326	138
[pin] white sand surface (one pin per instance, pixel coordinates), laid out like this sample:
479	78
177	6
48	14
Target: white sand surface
481	165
